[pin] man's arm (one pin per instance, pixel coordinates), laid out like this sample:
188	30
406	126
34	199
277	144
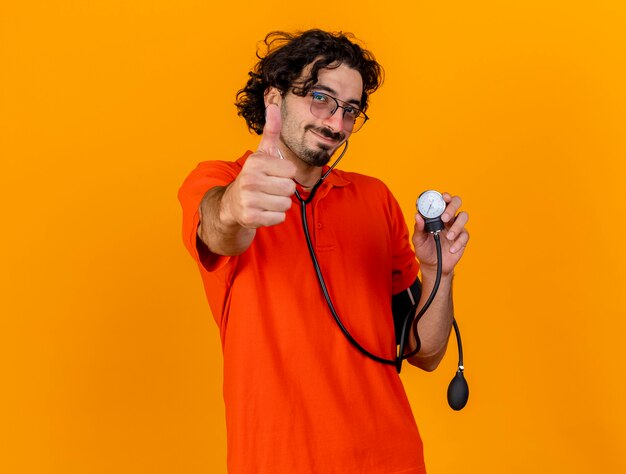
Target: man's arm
259	196
435	325
219	231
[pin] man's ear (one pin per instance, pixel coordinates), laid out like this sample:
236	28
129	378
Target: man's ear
272	96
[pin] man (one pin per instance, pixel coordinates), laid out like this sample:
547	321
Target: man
300	398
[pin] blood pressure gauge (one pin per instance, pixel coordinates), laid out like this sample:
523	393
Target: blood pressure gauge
430	205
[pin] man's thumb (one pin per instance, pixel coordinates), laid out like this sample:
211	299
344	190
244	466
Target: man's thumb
271	130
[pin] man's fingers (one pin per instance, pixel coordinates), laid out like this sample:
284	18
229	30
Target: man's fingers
269	218
258	164
454	203
267	211
460	242
268	184
271	131
457	226
271	203
419	237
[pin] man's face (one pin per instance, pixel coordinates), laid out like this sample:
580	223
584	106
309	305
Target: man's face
310	138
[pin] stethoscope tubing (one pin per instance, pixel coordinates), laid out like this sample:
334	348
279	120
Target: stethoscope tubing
400	356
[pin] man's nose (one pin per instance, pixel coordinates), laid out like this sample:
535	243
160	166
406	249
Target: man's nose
335	121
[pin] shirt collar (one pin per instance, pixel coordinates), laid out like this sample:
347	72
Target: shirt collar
336	177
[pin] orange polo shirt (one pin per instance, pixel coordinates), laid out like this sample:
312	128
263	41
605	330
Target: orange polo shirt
299	398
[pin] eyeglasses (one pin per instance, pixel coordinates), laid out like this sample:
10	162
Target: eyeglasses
324	106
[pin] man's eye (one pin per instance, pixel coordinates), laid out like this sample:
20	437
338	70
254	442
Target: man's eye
319	97
351	112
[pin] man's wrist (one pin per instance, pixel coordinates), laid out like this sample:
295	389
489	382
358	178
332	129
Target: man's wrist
429	272
225	219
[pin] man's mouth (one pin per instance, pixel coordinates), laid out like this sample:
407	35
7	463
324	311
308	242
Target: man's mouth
327	135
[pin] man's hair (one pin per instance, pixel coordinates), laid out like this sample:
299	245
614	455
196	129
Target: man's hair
285	57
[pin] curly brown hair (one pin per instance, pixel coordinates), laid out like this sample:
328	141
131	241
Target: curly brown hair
286	55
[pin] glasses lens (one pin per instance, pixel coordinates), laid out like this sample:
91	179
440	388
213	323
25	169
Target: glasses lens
358	122
324	106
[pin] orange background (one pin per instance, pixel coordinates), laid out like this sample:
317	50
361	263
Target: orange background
110	361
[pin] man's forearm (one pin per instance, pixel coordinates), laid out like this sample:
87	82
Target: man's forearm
435	325
220	233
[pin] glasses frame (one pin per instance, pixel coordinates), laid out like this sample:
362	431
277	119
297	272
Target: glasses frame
339	106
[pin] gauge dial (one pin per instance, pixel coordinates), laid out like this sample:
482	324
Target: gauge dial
430	204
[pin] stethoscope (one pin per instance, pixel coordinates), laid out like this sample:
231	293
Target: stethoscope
431	205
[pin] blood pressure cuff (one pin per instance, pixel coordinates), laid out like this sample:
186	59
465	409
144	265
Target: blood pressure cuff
402	304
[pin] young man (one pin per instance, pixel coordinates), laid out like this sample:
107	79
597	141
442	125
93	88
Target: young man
300	398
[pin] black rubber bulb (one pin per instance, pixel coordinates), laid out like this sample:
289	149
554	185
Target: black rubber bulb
458	391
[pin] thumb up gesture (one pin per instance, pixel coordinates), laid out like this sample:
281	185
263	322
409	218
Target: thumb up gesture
261	193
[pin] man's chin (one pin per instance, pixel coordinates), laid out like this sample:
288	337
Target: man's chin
329	149
318	157
319	153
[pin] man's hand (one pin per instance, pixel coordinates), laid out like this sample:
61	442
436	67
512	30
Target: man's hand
259	196
261	193
454	238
